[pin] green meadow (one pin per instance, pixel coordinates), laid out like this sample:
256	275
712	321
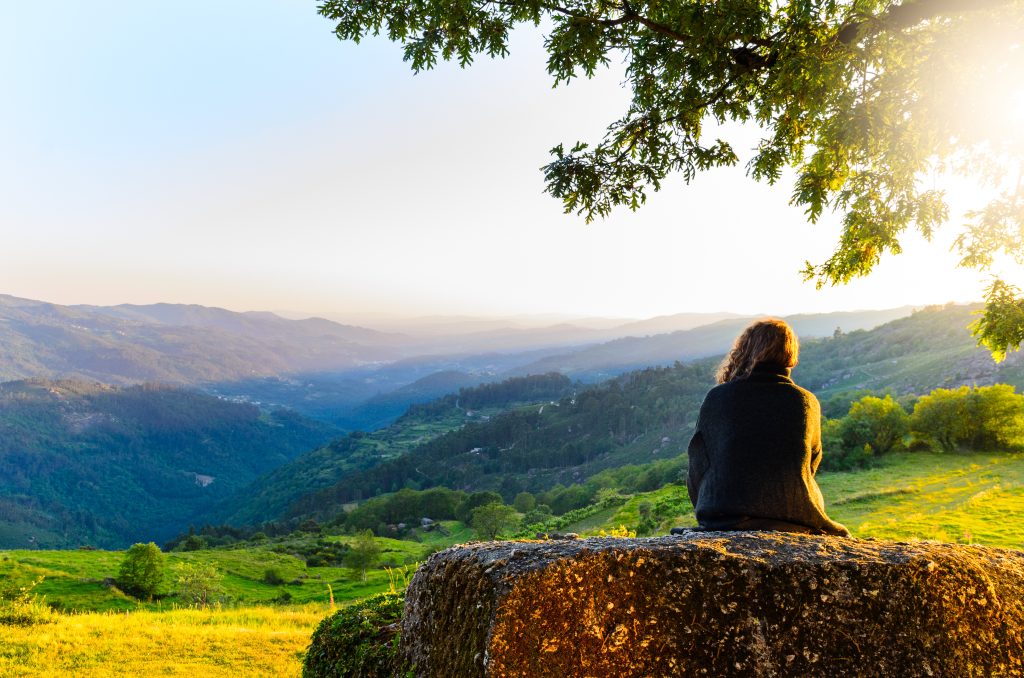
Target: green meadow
263	628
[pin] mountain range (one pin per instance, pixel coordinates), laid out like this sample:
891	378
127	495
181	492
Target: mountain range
637	417
349	376
90	463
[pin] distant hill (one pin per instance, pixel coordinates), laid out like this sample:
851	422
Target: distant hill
673	323
176	344
929	349
648	415
83	463
382	409
621	355
272	496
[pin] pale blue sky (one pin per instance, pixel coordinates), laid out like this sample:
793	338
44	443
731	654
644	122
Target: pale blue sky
236	154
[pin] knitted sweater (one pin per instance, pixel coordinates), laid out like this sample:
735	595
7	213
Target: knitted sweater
754	454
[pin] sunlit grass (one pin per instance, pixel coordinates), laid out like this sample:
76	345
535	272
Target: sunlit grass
257	641
975	498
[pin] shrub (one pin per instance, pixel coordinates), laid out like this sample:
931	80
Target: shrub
836	456
985	418
19	606
272	577
142	570
197	584
879	422
359	640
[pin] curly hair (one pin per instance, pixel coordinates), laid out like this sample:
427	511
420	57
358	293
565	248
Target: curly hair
764	341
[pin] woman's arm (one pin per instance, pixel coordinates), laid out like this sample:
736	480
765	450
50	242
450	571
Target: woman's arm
698	465
815	433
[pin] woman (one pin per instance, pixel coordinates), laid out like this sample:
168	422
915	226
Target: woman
757	444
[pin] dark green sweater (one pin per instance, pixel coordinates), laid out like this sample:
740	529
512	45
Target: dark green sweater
754	454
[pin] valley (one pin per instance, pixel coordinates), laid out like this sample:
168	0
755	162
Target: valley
258	483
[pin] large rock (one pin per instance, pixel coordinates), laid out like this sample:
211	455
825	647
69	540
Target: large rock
740	603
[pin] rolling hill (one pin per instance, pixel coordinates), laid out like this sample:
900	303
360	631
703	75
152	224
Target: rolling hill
598	362
647	415
83	463
174	344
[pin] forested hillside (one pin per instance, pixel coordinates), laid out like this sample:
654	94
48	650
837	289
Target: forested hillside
272	496
84	463
639	417
929	349
648	415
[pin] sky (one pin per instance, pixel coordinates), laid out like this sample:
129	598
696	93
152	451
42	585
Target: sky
236	154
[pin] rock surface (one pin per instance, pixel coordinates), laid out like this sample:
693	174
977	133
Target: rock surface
740	603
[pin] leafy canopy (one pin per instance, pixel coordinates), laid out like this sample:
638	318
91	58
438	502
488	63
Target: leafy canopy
142	570
865	99
492	519
363	553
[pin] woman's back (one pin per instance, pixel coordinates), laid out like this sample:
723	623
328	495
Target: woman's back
754	454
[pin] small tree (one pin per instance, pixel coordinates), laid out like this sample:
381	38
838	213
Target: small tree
193	542
464	512
990	417
879	422
491	519
197	584
272	576
525	502
363	553
142	570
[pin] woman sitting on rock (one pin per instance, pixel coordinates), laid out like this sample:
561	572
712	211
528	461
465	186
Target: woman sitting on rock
757	444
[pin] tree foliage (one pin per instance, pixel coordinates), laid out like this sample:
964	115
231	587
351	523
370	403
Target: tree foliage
979	419
880	423
490	520
198	584
864	99
363	553
142	570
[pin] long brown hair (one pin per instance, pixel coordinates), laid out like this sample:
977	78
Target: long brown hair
764	341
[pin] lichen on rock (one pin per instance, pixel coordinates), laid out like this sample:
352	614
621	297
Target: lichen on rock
740	603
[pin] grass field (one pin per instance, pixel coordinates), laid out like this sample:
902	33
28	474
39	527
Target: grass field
975	498
77	581
257	641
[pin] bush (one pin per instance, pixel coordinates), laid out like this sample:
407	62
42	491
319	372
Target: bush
198	584
360	640
142	570
879	422
272	577
837	457
19	606
982	419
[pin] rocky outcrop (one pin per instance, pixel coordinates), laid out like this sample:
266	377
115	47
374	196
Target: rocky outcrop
742	603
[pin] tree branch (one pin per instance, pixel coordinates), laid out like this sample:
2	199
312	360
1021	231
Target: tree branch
909	14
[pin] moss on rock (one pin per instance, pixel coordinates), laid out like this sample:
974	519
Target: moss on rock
748	603
358	640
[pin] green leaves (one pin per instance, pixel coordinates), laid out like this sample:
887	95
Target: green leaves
142	570
862	98
1001	325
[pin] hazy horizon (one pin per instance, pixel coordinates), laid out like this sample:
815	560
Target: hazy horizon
531	320
253	162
